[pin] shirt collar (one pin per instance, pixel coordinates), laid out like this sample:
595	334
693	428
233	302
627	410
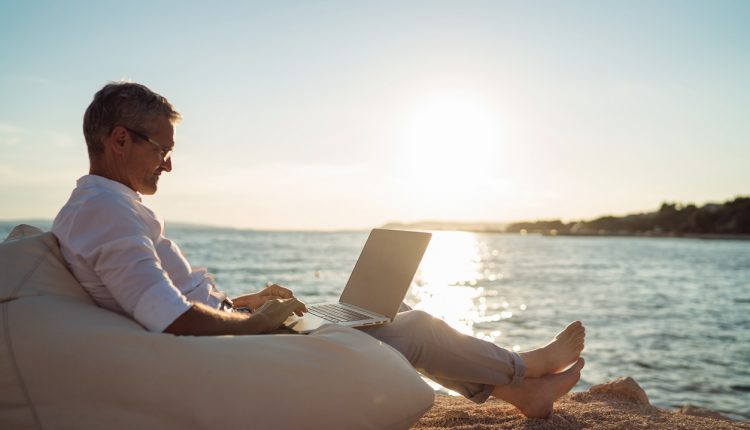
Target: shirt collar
96	181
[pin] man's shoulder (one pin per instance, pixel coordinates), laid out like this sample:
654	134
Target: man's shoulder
86	204
102	199
100	212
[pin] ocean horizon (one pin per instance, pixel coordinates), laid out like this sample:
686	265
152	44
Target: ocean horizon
673	313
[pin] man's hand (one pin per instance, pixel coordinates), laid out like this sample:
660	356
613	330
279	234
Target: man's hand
255	301
271	307
201	320
276	311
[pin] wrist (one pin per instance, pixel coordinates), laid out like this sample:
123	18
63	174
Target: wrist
259	323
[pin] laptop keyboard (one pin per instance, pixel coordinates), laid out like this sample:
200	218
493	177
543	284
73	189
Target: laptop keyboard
335	313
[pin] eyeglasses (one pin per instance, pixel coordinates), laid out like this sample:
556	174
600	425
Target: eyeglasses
166	153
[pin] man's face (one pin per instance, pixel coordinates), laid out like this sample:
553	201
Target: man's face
144	163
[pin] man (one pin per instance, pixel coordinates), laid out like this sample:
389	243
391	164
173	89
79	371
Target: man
116	248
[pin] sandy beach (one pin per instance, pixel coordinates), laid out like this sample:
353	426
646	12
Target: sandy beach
618	404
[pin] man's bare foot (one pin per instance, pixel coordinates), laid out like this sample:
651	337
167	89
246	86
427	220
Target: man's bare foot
535	397
554	357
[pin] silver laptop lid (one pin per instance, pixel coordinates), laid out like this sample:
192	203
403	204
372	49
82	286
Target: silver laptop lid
385	269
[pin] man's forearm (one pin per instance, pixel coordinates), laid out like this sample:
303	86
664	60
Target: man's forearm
201	320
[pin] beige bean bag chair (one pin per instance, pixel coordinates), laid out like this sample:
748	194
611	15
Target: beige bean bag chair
67	364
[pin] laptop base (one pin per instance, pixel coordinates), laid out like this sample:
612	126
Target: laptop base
308	323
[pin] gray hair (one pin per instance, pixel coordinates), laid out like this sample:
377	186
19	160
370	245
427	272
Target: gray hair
127	104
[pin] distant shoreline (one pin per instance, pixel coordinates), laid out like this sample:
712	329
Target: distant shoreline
660	235
549	233
713	221
648	234
729	220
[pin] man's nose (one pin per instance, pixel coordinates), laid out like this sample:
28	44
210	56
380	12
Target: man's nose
167	164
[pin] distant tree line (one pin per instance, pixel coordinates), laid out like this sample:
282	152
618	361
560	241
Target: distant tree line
672	219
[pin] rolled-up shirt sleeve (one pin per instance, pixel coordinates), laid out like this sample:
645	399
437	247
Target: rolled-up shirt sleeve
133	274
117	243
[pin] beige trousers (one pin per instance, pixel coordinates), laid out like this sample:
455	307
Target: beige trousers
470	366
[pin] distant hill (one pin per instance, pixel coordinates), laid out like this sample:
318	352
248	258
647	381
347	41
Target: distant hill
731	218
478	227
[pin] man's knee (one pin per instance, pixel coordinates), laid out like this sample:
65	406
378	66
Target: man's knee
419	322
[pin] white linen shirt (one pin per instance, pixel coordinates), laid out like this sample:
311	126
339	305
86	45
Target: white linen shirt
115	247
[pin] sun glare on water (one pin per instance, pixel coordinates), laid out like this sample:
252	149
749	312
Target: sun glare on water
446	286
446	283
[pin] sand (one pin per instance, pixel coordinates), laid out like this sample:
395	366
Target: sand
615	405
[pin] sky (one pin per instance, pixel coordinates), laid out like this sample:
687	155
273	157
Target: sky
326	115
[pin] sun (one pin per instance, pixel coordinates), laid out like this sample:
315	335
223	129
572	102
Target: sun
450	142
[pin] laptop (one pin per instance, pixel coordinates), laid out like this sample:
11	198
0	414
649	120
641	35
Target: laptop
377	285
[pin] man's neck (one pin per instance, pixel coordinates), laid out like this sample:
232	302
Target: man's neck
100	169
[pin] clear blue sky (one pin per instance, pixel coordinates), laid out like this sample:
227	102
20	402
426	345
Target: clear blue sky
326	115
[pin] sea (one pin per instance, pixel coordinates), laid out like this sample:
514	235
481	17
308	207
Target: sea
672	313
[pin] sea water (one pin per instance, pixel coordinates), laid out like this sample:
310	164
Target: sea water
672	313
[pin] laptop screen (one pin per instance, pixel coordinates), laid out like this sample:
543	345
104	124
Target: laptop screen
385	269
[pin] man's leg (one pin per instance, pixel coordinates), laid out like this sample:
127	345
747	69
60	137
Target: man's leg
476	368
465	364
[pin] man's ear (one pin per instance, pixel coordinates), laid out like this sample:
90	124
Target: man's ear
118	139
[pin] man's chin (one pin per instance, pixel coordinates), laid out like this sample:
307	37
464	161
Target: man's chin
149	190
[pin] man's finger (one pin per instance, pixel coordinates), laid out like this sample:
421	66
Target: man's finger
301	309
278	290
285	292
